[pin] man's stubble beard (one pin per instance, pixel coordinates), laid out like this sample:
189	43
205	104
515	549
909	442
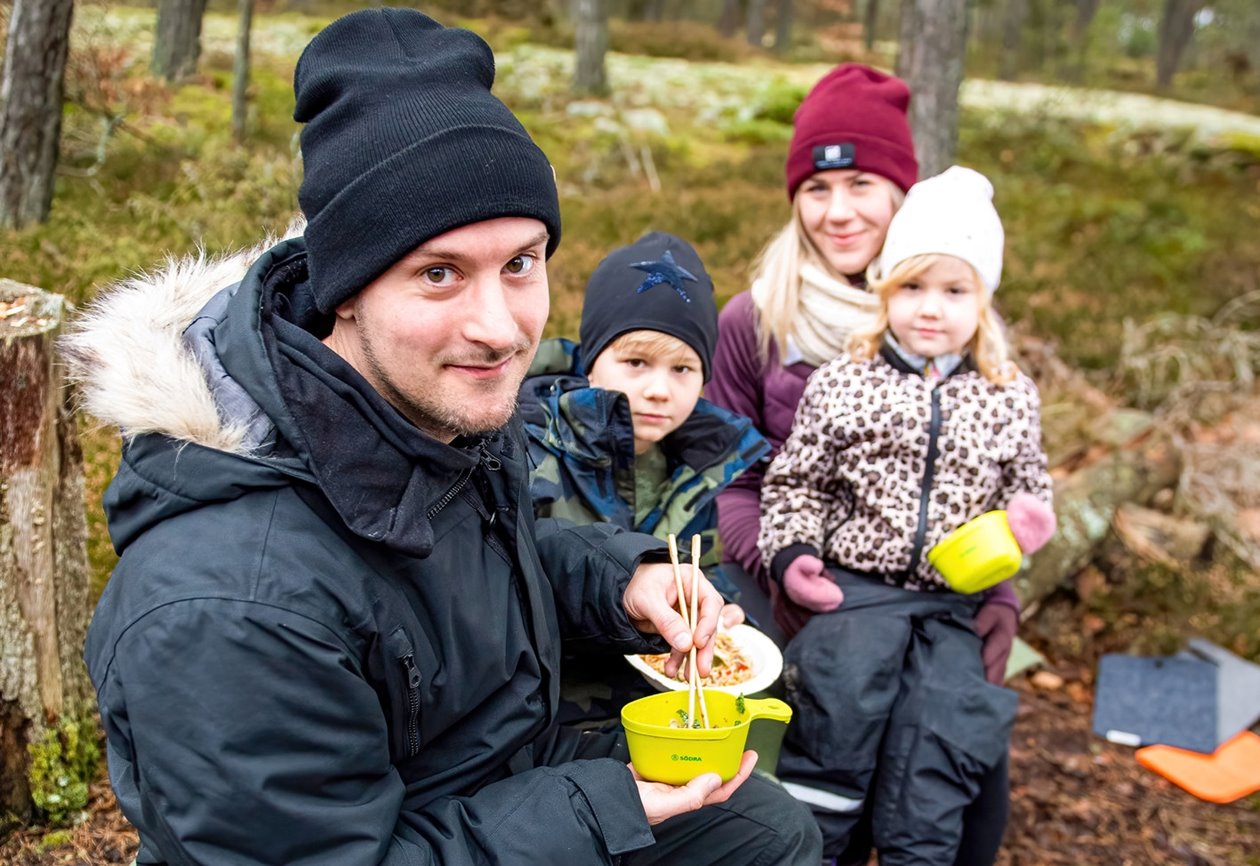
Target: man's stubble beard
434	416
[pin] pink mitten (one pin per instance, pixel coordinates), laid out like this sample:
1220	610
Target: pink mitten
806	582
1032	521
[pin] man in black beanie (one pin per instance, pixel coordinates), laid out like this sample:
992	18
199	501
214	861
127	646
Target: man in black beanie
333	635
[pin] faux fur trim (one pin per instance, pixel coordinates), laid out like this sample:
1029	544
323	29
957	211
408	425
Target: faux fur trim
126	352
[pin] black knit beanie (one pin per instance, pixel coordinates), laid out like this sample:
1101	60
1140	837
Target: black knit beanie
658	283
403	142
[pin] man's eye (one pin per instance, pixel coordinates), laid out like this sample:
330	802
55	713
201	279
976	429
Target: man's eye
520	265
439	276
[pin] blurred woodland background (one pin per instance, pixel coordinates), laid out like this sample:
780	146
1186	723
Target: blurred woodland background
1123	140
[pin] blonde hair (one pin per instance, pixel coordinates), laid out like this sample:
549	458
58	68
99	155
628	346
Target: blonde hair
655	344
987	346
778	268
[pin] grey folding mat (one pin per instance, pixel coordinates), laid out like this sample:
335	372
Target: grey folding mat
1142	701
1237	687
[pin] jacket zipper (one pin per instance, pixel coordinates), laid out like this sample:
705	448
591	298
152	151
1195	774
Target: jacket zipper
413	704
925	491
449	495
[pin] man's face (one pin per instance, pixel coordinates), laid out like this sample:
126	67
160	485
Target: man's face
448	332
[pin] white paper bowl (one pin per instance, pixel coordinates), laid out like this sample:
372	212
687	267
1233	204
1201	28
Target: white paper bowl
763	655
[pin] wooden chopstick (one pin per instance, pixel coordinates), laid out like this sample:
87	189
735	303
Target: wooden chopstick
682	609
695	585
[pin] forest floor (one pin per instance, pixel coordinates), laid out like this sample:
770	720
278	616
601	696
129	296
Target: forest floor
1075	799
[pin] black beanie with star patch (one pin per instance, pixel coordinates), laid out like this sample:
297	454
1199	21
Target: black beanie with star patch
657	283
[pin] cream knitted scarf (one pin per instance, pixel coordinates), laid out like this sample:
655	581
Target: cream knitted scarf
829	311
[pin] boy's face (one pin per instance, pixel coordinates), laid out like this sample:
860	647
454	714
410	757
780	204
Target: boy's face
663	385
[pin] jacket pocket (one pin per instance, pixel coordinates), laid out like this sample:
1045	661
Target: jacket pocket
404	678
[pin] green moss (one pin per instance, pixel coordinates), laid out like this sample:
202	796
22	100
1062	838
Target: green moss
63	761
55	839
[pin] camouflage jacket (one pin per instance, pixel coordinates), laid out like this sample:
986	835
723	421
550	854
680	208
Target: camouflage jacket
581	448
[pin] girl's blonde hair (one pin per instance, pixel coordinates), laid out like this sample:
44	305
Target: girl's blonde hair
987	346
778	267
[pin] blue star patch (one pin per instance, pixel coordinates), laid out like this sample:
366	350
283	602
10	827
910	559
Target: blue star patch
665	270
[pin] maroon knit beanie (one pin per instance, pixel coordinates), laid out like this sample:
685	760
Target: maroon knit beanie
855	117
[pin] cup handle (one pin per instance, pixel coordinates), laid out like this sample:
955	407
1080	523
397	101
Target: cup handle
768	708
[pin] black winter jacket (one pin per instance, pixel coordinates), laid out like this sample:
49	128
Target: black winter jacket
330	638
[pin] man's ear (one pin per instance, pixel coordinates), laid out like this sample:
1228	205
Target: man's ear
347	309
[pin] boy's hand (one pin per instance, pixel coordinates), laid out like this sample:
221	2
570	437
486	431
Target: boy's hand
807	583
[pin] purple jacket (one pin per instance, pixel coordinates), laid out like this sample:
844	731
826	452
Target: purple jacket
768	393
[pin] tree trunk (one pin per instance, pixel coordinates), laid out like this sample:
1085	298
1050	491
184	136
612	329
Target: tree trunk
1012	32
591	34
756	22
930	59
240	70
1086	502
870	17
30	108
1085	12
44	578
1176	29
729	22
177	43
783	28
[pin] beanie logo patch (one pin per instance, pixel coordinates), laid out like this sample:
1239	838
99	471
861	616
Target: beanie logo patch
664	270
827	156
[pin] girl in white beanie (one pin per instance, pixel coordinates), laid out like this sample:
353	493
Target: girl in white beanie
923	425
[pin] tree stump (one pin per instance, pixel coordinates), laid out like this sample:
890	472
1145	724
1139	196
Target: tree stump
44	576
1086	502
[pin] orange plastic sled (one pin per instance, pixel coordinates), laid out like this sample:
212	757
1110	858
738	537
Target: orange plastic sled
1232	771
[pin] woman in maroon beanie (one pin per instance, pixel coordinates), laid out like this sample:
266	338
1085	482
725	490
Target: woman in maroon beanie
849	165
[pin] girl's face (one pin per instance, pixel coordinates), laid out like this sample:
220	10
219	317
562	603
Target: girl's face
846	213
936	312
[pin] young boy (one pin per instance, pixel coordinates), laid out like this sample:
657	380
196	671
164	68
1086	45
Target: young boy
618	432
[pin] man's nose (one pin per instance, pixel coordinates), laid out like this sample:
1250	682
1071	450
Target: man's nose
488	316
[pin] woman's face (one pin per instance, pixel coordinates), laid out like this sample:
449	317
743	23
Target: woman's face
846	214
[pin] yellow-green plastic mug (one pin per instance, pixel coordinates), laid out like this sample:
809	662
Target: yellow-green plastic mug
980	553
677	755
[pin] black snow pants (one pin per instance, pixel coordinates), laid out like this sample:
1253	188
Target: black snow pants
891	704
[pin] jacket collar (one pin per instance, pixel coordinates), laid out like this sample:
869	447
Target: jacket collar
383	476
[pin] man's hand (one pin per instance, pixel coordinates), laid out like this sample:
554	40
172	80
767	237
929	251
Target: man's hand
651	602
661	801
807	583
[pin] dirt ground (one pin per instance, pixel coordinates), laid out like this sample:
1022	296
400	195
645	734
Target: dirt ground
1075	799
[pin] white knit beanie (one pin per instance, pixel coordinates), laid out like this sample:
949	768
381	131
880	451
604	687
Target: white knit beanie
952	214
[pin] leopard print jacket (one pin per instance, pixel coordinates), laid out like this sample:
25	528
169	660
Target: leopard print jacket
881	464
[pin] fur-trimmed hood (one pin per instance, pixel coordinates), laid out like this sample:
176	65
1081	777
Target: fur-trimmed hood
215	373
133	366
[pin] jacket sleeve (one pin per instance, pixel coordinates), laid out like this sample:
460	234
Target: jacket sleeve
737	384
1028	471
803	496
244	734
589	567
